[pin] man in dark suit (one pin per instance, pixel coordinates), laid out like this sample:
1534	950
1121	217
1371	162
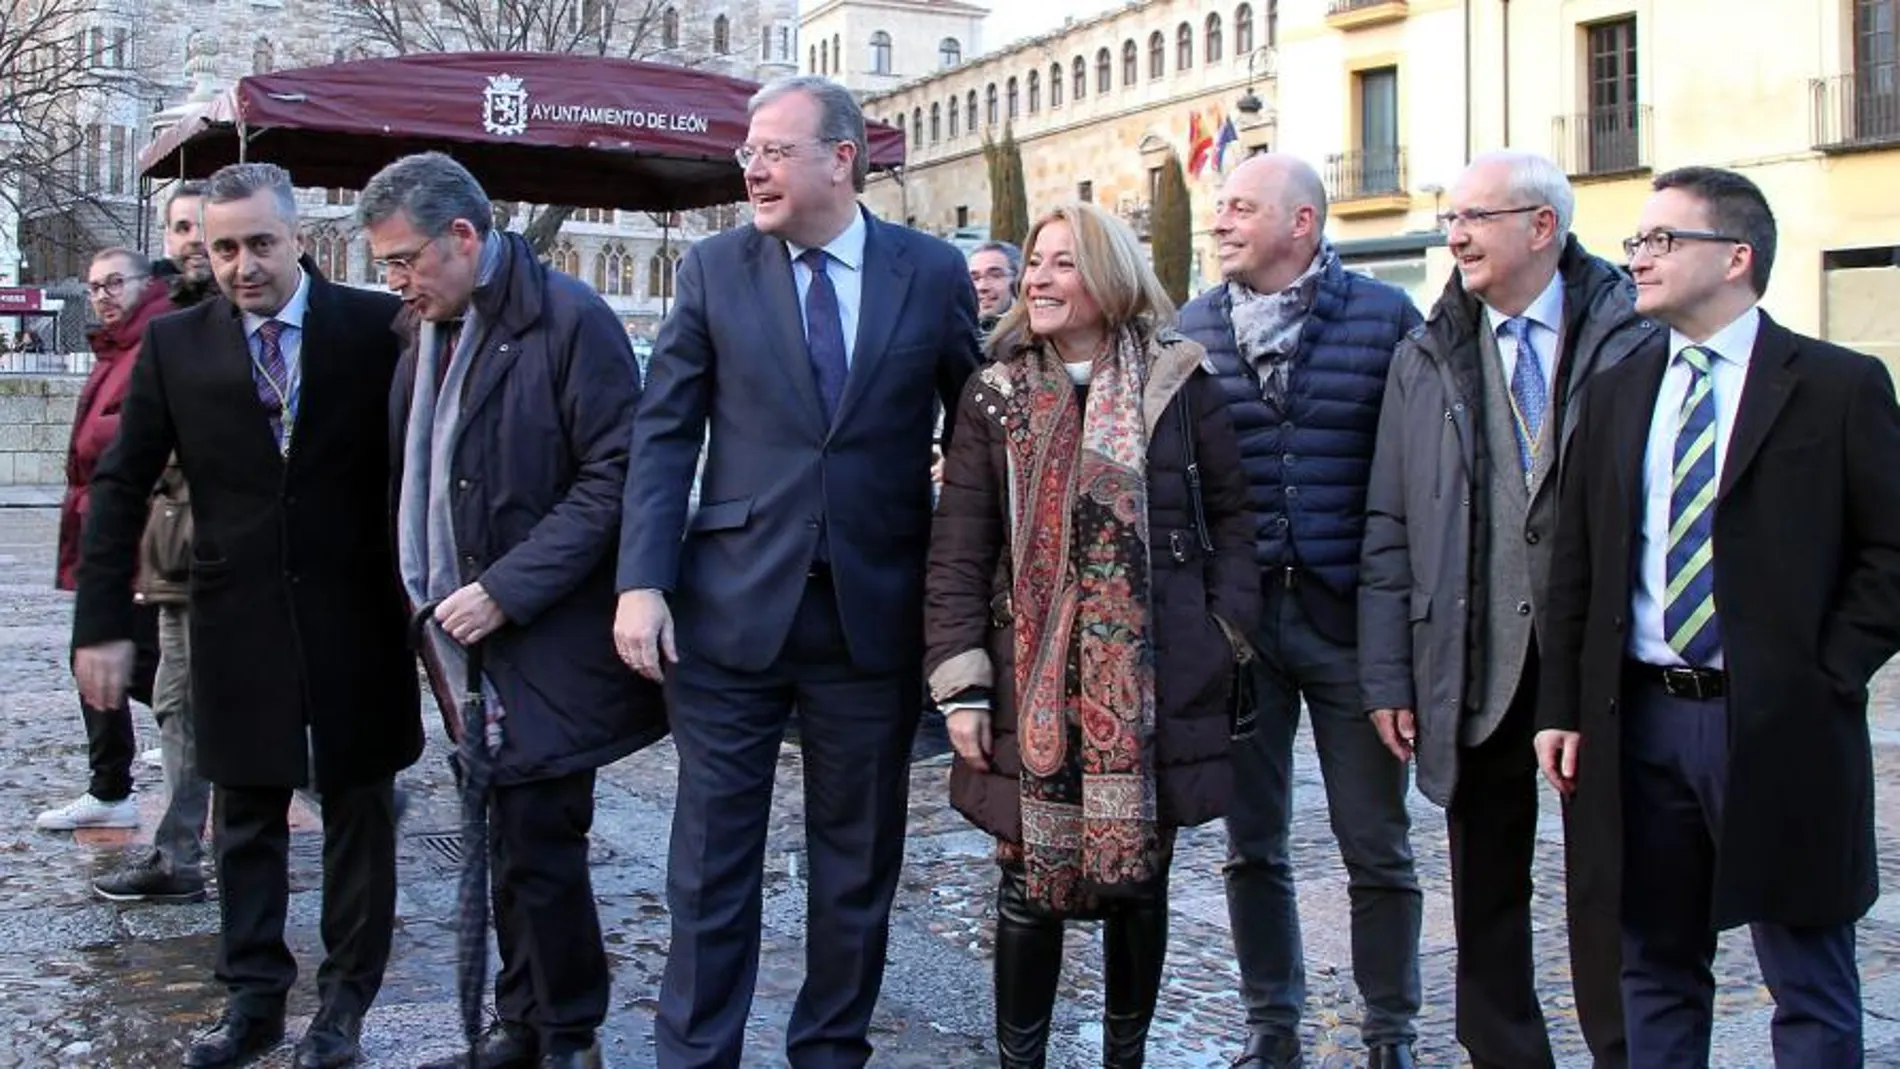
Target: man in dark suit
275	398
1726	581
814	344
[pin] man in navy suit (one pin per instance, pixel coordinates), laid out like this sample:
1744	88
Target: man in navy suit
814	344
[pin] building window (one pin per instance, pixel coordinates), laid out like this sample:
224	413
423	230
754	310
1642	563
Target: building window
824	58
1129	61
1378	170
917	128
949	52
837	53
880	53
565	258
95	135
1104	76
1055	86
1157	55
1183	47
963	216
953	118
592	215
120	38
670	28
1085	192
116	161
1612	117
1273	23
337	196
263	56
1013	98
989	105
811	59
1876	94
613	271
660	272
970	112
899	123
1080	89
784	45
1243	30
1035	92
1213	37
722	36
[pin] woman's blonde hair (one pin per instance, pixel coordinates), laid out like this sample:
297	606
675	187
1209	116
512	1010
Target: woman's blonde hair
1114	272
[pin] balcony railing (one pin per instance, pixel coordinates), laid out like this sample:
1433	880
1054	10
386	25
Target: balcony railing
1376	172
1856	110
1612	140
1349	14
1347	7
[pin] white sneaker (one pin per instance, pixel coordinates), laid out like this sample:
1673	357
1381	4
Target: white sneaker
86	811
154	757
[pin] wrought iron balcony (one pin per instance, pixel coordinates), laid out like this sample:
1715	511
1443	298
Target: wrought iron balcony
1347	14
1852	111
1612	140
1368	173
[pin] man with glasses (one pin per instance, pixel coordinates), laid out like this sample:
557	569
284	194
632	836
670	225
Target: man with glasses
513	405
807	351
994	268
1459	524
1725	583
117	284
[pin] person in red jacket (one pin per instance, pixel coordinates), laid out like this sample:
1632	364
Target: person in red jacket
118	284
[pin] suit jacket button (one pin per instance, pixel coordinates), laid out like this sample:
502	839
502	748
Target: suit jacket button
461	484
1531	537
1523	608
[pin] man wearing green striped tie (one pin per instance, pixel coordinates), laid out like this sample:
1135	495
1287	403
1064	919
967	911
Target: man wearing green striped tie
1726	581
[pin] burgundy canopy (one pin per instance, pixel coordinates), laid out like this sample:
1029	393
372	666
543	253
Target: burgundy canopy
550	128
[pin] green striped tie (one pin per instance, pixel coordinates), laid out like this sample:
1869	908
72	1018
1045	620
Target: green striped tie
1689	622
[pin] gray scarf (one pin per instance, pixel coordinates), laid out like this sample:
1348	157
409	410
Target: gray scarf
1267	325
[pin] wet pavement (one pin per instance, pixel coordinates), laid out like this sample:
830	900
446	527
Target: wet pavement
87	983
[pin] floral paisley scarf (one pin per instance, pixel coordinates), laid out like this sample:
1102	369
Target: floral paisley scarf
1085	681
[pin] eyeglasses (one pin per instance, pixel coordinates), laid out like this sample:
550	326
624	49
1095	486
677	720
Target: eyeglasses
111	287
1475	216
1662	241
776	152
403	261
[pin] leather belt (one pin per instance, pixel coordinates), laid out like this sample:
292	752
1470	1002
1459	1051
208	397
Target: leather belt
1693	684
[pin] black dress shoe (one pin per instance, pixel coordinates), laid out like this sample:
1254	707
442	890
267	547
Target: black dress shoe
1269	1051
1391	1056
578	1059
506	1045
235	1038
331	1041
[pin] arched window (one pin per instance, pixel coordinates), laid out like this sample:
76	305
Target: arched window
1055	85
917	128
1104	72
565	259
1035	92
899	123
1157	55
1183	47
661	270
824	58
722	36
1213	37
971	111
1273	23
1243	30
1130	61
263	56
989	105
953	118
837	53
949	52
811	59
1080	87
600	273
880	53
1015	99
670	28
936	123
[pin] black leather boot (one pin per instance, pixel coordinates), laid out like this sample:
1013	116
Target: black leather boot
1028	962
1134	942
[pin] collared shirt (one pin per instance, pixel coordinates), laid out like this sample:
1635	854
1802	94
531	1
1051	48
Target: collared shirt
1546	318
289	342
1732	346
846	270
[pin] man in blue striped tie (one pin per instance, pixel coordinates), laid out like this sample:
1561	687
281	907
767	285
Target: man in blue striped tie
1726	581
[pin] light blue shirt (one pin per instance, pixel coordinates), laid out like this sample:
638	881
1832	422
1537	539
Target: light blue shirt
1546	318
846	270
1732	346
289	342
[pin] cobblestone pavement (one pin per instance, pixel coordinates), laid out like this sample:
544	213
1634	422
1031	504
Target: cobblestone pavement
83	982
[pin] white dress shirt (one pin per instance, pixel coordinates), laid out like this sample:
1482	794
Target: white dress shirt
846	270
1545	317
1732	346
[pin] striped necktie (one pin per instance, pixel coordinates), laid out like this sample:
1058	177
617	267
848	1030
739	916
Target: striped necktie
1530	393
271	373
1689	622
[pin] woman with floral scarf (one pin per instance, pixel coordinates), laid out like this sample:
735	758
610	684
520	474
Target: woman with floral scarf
1070	617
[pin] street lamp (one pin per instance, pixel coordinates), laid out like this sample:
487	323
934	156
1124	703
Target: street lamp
1250	102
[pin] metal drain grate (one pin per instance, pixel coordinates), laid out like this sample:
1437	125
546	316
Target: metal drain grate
442	847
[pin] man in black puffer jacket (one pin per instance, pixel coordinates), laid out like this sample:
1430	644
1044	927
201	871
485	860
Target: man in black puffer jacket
1302	347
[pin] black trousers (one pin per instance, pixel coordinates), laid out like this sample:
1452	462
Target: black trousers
359	895
554	975
110	745
1493	828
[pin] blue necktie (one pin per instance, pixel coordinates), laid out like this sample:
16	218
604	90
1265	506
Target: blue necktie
1689	623
1530	394
824	332
271	373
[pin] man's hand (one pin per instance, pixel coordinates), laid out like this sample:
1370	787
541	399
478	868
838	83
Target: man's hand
103	672
1398	729
643	632
1557	757
469	615
936	466
970	736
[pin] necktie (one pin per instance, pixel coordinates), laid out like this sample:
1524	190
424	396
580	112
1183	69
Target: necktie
824	332
1689	623
272	376
1530	394
451	332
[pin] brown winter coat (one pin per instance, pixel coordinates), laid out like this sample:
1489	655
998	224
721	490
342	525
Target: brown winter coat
967	633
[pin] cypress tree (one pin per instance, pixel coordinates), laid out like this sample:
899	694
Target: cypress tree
1171	231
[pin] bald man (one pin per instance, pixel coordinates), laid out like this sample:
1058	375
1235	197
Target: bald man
1302	346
